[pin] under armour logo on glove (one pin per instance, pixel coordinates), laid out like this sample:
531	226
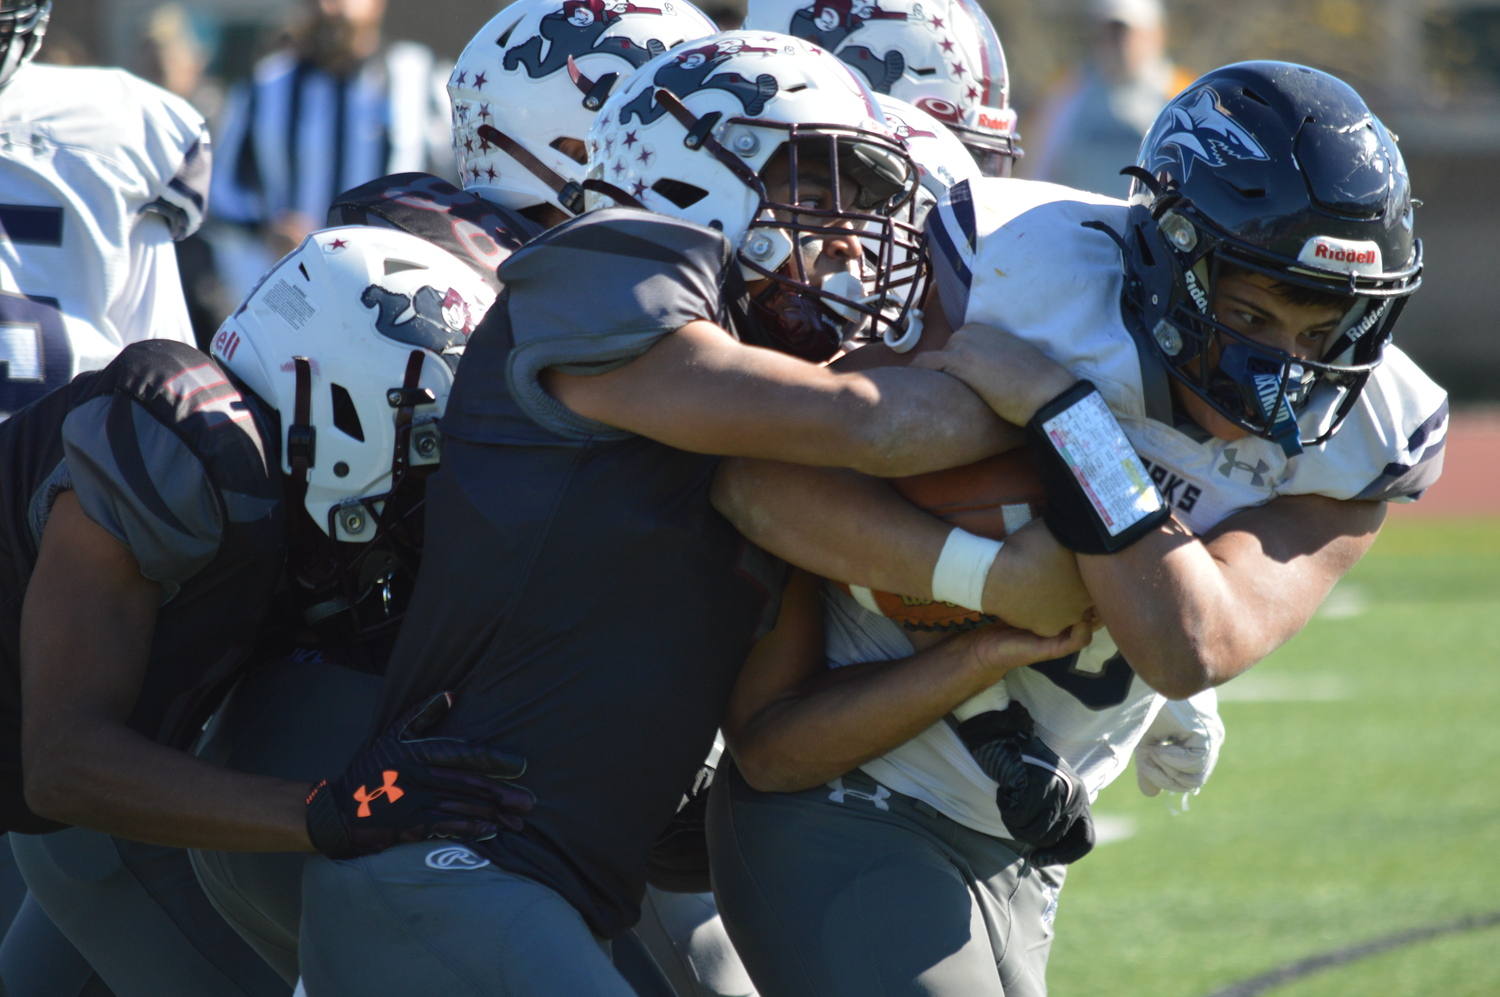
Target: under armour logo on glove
388	789
432	787
1041	799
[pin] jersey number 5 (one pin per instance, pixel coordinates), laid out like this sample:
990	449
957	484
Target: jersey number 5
34	352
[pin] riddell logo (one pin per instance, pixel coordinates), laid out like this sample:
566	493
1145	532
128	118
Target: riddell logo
998	124
1342	255
388	789
1327	252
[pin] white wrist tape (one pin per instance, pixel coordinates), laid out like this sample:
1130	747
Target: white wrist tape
962	568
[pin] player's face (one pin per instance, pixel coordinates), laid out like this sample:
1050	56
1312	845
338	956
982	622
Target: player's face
822	255
1250	304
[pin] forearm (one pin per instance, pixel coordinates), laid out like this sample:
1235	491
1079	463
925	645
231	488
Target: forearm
1189	614
1170	610
832	523
843	718
924	424
102	775
856	529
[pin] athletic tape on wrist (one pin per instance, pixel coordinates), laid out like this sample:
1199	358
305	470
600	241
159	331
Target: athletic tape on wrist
1100	498
962	568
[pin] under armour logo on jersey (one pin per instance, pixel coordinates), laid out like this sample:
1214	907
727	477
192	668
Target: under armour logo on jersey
841	792
1202	132
388	789
1231	464
455	858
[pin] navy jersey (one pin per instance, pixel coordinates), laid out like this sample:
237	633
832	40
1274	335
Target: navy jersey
166	455
578	591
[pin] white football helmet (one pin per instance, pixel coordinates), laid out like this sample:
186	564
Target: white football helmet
940	158
353	339
535	76
691	132
943	56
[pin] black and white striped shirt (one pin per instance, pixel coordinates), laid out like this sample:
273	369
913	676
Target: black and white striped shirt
296	136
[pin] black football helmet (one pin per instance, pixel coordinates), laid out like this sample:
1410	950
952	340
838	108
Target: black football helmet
22	24
1281	170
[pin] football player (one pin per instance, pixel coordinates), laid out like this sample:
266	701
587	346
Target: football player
517	127
942	56
579	593
1235	319
101	172
169	513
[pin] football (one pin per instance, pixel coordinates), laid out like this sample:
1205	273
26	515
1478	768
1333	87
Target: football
991	498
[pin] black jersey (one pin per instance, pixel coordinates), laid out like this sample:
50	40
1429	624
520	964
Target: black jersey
578	591
166	455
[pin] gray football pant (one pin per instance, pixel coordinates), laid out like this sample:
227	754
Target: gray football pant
137	914
686	936
400	925
852	891
300	720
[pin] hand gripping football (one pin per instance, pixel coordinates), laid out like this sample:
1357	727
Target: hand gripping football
991	498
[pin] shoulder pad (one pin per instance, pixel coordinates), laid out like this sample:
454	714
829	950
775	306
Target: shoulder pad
165	453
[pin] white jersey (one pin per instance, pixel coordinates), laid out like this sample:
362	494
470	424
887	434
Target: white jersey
99	172
1014	254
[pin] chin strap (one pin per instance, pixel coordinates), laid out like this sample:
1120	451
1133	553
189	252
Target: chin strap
595	92
405	400
569	194
301	435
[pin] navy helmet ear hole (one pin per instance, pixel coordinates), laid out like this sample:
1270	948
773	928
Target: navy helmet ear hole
1144	247
345	415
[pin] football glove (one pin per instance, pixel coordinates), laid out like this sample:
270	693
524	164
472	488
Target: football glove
403	788
1041	799
1181	747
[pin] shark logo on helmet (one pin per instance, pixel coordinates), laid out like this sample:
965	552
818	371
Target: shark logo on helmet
692	70
1202	132
574	30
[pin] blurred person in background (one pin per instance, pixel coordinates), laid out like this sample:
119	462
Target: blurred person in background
337	107
1095	120
100	173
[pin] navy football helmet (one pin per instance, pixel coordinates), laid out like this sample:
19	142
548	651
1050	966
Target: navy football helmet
1280	170
22	24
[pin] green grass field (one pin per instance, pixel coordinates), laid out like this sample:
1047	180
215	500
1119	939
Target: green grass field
1358	796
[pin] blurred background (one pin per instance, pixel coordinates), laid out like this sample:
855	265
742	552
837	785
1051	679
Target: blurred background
1430	68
